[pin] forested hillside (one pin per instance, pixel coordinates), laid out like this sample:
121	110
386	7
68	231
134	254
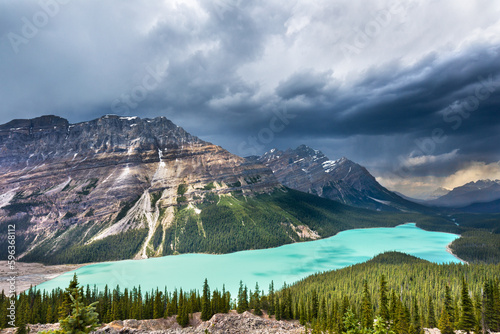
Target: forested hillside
416	292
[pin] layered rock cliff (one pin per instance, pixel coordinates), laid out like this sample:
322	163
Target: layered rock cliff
110	175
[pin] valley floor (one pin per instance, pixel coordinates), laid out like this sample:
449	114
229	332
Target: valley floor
29	274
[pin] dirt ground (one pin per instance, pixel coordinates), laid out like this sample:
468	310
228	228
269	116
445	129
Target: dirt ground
31	274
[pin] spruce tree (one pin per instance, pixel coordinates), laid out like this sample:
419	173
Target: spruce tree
351	323
206	310
491	297
182	313
314	304
384	300
157	305
366	308
65	308
431	315
448	305
242	299
256	299
444	323
82	320
21	328
417	325
271	298
467	320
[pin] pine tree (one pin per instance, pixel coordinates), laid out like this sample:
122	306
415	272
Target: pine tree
65	308
448	305
50	314
206	310
242	299
467	320
83	319
491	297
314	304
183	314
384	300
21	328
444	323
478	314
431	315
271	298
158	305
366	308
277	306
256	300
351	323
380	326
416	323
302	312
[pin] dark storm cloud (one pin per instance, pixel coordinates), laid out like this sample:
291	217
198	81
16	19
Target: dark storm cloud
395	100
228	71
308	84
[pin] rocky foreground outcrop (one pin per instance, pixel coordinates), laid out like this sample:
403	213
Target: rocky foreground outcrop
245	323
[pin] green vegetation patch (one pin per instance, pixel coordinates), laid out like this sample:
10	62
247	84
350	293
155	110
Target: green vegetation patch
209	186
477	246
155	197
124	210
115	247
181	189
92	183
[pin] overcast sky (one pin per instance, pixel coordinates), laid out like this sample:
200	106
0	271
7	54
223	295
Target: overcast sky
410	90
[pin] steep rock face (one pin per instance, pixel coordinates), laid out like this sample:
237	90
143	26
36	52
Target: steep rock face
109	175
342	180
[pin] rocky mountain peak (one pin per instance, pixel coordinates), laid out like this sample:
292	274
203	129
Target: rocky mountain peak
35	126
343	180
480	191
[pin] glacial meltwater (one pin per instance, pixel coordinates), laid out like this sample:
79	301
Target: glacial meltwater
287	263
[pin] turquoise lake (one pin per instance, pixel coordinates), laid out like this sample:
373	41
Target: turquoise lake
287	263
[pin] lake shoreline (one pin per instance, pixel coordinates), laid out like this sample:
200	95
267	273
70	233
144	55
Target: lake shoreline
32	273
448	249
36	273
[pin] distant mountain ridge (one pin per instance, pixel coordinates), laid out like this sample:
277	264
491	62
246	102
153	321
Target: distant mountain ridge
439	192
343	180
482	191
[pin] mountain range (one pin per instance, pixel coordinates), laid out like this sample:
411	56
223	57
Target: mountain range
343	180
482	191
124	187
